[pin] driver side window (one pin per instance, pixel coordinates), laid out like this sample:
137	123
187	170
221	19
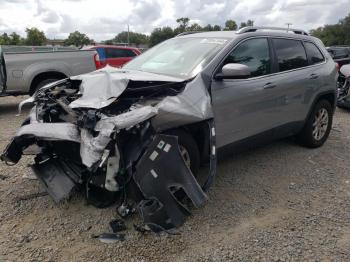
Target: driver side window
253	53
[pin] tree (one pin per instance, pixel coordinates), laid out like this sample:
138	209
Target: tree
35	36
230	25
183	24
15	39
77	39
4	39
134	38
250	23
337	34
12	39
160	34
245	24
216	28
208	27
195	27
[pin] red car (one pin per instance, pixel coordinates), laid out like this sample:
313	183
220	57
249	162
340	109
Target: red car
114	55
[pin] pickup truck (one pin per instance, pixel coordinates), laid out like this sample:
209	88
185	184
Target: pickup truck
24	72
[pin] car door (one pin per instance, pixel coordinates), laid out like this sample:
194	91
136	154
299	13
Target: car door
247	107
296	79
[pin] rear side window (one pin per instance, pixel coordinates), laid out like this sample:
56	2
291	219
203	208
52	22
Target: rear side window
115	53
314	54
290	54
340	53
253	53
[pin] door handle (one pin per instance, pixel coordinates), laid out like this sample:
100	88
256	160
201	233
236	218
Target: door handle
269	85
313	76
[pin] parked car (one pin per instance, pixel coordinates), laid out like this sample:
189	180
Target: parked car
344	88
25	72
141	132
340	54
115	56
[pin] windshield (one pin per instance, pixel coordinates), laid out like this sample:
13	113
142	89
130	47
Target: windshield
179	57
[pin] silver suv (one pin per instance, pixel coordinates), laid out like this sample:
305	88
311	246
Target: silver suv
265	83
144	130
271	84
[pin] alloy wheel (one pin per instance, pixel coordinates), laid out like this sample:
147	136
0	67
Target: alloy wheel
320	124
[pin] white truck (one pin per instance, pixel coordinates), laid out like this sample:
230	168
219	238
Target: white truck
24	72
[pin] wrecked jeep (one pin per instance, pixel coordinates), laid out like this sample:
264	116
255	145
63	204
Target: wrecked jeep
121	134
141	133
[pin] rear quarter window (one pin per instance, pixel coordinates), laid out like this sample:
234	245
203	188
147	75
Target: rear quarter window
313	53
290	54
115	53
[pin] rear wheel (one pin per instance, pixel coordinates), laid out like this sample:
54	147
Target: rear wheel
43	83
318	125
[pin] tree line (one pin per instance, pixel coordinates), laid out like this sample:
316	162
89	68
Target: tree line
35	37
337	34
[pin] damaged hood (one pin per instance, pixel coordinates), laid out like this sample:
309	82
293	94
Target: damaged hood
102	87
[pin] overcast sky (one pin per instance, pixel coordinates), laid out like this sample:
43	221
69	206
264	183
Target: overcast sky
103	19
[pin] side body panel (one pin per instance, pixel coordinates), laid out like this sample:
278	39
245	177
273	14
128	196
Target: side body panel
21	68
243	108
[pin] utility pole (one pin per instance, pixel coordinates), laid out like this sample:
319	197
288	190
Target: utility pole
128	36
288	24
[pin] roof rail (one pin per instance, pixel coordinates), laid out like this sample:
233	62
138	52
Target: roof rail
256	28
188	33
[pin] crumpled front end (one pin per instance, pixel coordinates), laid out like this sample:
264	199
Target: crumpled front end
104	134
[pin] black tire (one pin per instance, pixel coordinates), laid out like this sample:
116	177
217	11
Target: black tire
306	136
189	144
43	83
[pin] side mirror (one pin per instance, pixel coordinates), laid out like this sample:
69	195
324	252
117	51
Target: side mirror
234	71
345	70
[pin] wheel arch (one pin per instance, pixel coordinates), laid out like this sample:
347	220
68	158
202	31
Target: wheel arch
43	76
330	96
200	132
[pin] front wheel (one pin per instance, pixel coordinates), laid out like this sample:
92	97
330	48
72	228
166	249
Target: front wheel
188	149
318	125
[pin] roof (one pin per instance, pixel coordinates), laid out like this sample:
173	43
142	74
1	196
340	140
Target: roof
338	47
111	46
251	31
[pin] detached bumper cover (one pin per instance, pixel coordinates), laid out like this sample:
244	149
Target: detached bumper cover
160	172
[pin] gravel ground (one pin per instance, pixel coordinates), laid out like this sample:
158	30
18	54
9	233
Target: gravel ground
280	202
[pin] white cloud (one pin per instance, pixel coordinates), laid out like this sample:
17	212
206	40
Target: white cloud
104	19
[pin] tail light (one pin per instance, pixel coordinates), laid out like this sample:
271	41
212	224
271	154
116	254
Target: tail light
337	66
97	61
